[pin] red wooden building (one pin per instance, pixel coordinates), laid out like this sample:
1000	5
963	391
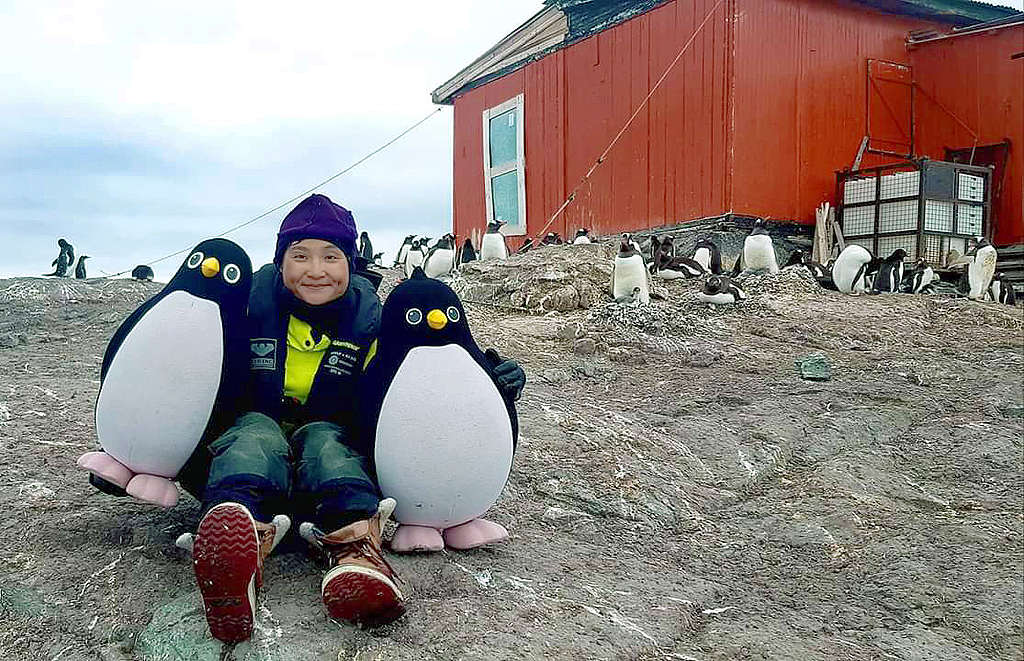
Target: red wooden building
770	99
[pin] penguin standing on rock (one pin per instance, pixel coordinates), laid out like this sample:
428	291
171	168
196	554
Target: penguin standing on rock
890	274
413	258
758	249
582	237
444	435
629	272
721	290
707	254
1001	290
440	259
921	278
850	270
981	270
468	253
80	268
365	247
172	375
403	250
493	245
64	260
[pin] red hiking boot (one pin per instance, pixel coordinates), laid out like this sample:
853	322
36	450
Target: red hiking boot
359	586
228	551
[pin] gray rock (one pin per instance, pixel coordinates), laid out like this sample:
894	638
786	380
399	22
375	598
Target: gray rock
570	331
555	376
585	346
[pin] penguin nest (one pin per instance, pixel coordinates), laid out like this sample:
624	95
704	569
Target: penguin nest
791	281
547	278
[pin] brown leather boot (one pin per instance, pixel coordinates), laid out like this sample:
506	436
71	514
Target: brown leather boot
359	586
228	551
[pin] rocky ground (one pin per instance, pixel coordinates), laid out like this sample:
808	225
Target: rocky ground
679	491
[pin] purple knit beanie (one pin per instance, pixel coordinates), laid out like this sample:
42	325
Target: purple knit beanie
317	217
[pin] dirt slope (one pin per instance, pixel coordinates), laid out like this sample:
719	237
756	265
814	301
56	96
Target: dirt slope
679	492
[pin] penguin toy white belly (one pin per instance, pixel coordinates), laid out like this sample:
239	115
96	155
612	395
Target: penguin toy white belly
981	270
440	259
849	269
758	250
493	245
171	374
444	436
629	272
413	258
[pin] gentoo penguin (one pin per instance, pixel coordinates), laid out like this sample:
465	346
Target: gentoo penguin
1001	290
552	239
493	246
758	250
440	259
143	272
981	270
468	253
444	436
526	247
64	260
80	268
921	278
707	254
413	257
425	244
629	272
172	374
582	236
377	259
890	273
721	290
365	247
674	268
665	246
848	273
403	250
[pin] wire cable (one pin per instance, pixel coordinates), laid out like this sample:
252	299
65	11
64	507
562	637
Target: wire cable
300	195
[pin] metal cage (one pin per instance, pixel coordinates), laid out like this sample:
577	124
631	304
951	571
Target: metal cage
926	207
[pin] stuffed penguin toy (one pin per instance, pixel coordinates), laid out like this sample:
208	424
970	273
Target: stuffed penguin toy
172	374
443	435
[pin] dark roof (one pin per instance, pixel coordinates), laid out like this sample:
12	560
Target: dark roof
588	16
583	18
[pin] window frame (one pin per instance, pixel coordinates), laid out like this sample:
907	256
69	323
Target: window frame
519	166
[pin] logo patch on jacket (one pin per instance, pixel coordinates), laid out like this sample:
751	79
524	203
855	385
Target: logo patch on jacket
263	353
341	358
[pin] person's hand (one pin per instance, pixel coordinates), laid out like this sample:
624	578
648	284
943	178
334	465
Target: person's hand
510	376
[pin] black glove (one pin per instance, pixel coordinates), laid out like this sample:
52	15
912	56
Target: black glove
510	376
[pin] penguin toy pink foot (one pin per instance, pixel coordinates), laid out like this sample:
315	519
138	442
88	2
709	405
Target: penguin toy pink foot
171	375
442	433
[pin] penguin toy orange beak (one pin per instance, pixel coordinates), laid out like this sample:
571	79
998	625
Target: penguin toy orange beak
436	319
210	267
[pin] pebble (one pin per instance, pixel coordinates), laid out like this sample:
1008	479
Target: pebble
585	346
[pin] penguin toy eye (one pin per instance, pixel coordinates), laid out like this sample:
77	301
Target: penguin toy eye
453	314
413	316
232	274
195	259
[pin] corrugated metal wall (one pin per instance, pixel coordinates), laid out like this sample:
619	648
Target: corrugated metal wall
768	144
670	166
973	78
800	98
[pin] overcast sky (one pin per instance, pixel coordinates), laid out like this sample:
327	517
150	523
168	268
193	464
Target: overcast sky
135	129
